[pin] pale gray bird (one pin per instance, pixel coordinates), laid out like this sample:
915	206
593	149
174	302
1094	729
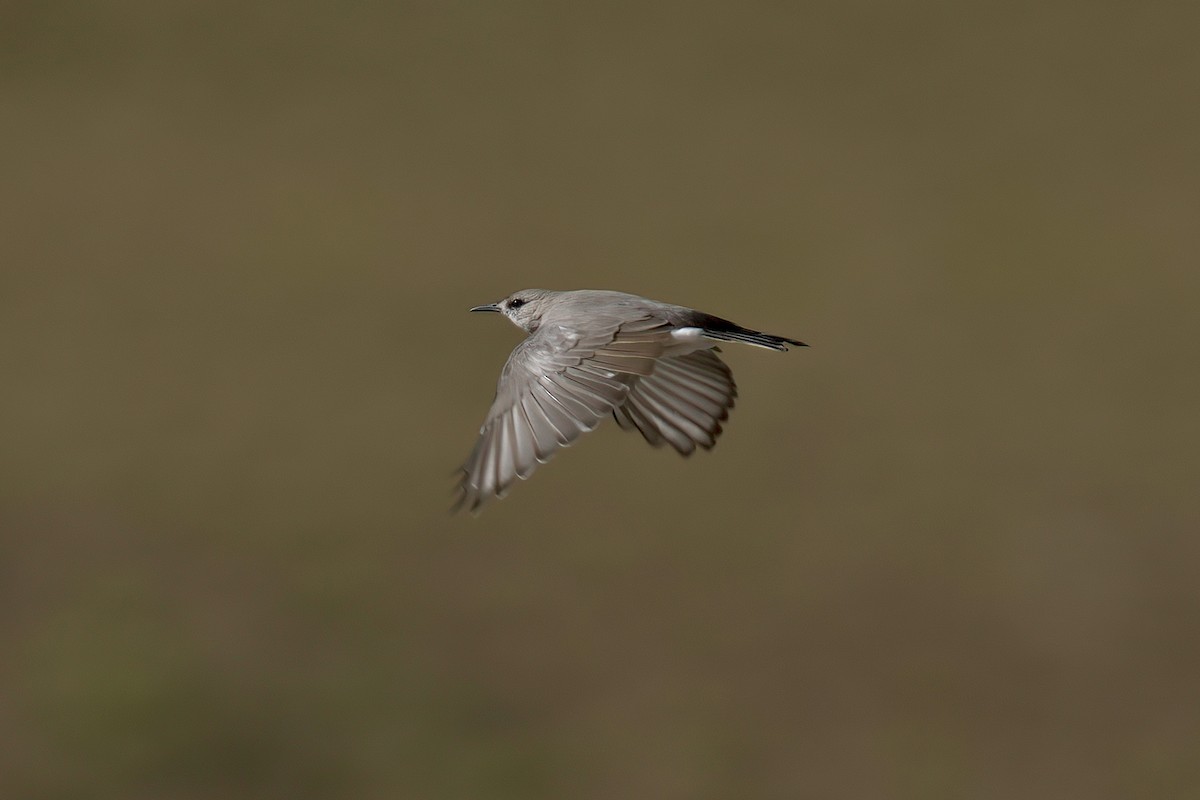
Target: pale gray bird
592	353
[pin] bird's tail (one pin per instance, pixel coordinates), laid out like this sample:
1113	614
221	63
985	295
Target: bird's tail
727	331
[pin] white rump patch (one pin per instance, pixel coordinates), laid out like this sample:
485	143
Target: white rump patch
687	340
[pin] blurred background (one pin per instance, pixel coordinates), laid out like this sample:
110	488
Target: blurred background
948	551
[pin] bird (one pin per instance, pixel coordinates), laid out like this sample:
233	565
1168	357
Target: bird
596	353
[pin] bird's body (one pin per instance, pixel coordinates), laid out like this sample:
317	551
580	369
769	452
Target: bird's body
592	353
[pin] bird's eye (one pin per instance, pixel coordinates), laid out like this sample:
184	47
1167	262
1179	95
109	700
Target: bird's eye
516	302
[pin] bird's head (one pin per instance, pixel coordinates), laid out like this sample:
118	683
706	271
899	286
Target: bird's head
523	309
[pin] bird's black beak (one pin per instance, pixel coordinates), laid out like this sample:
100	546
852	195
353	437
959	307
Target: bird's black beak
488	307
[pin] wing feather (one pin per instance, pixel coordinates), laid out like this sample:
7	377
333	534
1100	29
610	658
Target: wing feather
557	384
544	434
683	415
665	422
683	402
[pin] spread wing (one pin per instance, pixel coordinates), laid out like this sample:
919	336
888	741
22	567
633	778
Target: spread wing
557	384
682	403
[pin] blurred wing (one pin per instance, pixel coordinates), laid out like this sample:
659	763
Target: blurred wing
557	384
682	403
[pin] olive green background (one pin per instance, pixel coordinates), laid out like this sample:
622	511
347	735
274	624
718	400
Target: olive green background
951	550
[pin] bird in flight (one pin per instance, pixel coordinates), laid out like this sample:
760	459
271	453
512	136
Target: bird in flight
591	353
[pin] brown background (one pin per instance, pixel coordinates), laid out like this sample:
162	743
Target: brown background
949	551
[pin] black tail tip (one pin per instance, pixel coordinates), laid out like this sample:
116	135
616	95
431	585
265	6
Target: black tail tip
783	342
